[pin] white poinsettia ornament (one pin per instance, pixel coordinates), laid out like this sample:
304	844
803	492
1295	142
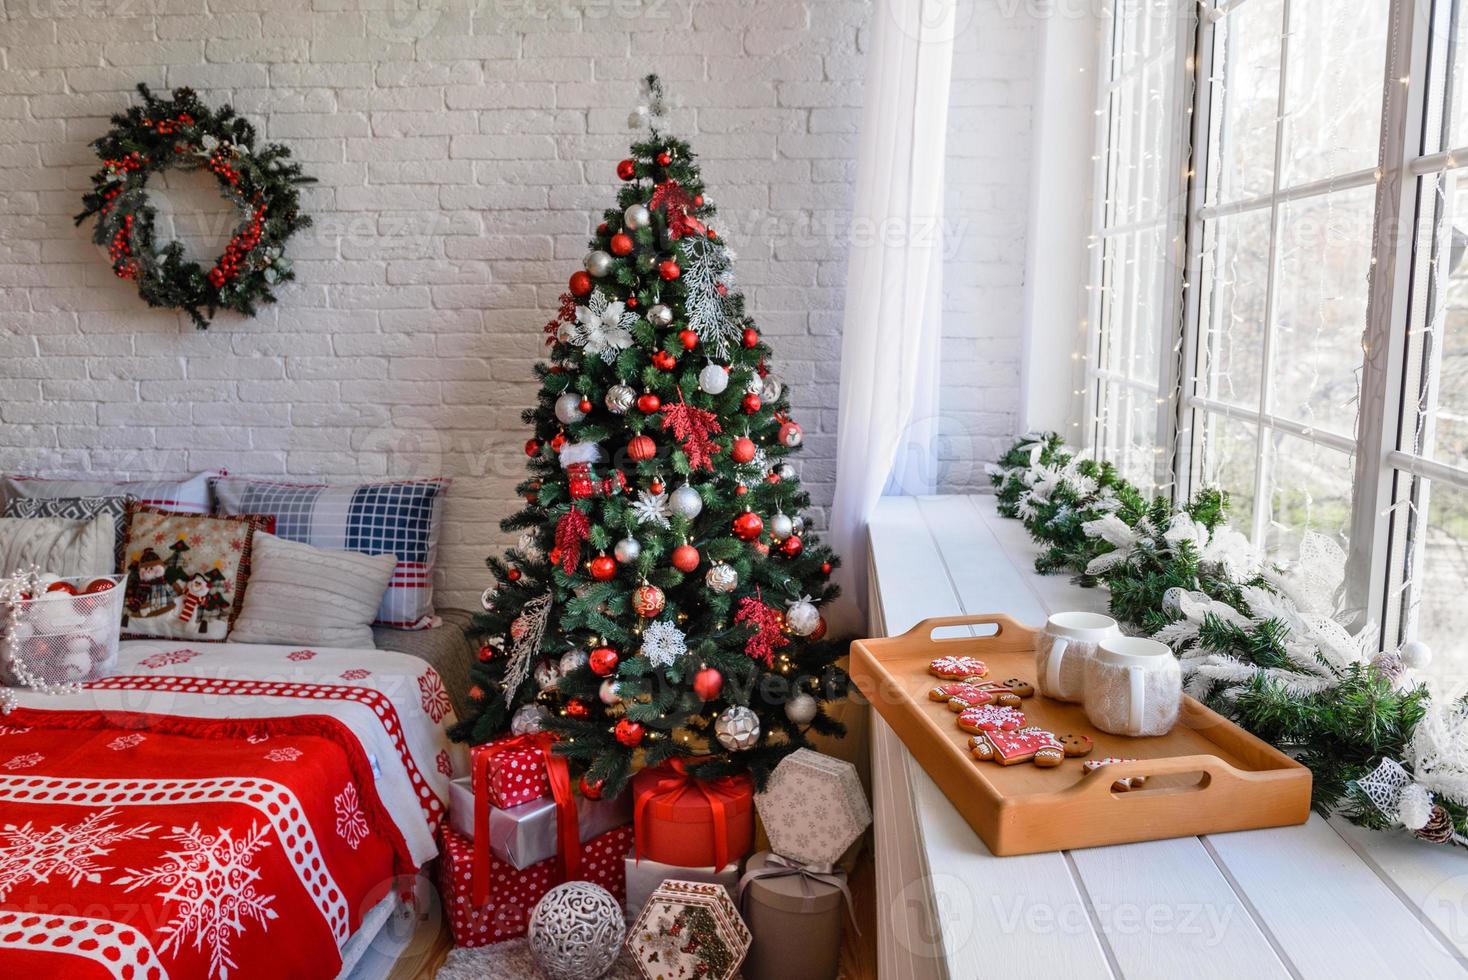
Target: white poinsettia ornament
602	327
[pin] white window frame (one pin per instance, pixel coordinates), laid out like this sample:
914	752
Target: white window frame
1391	472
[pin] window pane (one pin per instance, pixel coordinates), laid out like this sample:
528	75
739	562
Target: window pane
1336	62
1236	284
1245	100
1320	301
1456	96
1310	489
1230	462
1436	584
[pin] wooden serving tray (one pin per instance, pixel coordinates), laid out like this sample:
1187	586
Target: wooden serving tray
1205	776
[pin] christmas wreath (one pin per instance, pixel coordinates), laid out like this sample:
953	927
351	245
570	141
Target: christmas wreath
184	133
1264	643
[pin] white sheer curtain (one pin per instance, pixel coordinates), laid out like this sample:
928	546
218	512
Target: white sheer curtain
892	332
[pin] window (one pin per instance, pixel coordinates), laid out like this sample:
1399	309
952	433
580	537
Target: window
1279	285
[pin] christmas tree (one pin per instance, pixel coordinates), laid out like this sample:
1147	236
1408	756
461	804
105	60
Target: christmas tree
665	597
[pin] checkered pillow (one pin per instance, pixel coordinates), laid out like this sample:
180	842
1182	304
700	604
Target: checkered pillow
189	495
400	518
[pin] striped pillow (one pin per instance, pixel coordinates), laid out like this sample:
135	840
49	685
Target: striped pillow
401	518
188	495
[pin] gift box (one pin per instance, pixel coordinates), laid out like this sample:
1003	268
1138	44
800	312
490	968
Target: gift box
526	834
690	822
514	769
794	914
813	808
515	892
688	929
644	877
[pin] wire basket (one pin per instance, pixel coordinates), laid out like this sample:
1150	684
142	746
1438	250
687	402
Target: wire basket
60	637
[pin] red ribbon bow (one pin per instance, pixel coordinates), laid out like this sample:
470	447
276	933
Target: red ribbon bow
674	780
558	774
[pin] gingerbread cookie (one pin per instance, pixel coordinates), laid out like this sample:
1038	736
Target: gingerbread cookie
1019	686
962	691
1076	745
1121	785
958	668
1008	748
989	718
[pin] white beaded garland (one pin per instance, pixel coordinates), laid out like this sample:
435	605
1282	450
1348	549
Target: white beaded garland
576	931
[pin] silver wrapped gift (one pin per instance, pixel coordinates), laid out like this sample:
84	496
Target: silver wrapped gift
526	834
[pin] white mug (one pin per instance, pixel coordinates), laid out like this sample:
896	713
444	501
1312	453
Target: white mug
1134	686
1068	640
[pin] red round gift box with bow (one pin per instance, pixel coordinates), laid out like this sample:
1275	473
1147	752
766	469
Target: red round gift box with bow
689	822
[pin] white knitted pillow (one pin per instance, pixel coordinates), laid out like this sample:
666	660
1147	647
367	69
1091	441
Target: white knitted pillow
311	596
59	545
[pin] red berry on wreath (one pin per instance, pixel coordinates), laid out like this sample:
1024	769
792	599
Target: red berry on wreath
603	661
626	169
708	684
685	558
603	568
747	526
688	339
621	244
580	283
629	733
752	403
647	403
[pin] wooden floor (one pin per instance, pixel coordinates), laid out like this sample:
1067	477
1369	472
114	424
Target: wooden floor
858	952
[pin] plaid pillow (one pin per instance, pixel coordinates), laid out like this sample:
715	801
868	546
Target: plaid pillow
78	509
189	495
400	518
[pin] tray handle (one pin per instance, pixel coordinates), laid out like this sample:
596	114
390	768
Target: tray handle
1007	629
1220	773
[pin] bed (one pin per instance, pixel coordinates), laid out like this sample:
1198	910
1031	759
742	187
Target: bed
219	811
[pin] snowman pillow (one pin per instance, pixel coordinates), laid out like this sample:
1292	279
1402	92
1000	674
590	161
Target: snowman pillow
186	573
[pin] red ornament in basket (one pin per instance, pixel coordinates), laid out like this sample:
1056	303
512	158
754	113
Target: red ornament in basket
690	822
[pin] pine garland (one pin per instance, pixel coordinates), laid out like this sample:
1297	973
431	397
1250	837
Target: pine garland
1252	644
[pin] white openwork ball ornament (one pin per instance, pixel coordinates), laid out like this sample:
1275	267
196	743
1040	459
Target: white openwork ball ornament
737	728
576	931
627	551
659	315
721	578
801	709
714	378
568	408
686	502
598	263
802	617
771	388
547	674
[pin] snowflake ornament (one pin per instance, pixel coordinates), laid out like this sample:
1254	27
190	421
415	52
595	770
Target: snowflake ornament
603	327
652	508
663	643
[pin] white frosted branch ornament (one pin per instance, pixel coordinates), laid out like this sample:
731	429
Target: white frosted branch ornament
526	634
1117	533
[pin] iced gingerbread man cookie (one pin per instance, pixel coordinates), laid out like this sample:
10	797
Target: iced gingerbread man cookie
1120	785
989	718
968	694
1009	748
1076	745
958	668
1019	686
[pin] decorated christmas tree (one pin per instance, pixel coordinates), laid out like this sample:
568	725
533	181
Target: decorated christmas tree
665	597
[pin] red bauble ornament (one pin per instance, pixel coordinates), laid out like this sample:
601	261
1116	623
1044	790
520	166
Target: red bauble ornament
792	546
66	587
698	200
747	526
97	585
752	403
621	244
825	568
743	450
685	558
585	406
601	229
626	169
656	486
629	733
558	442
631	302
591	789
751	336
642	448
603	568
819	631
532	447
708	683
740	490
688	339
790	434
580	283
669	270
603	661
476	693
647	403
486	653
648	601
664	361
772	477
664	158
576	708
514	574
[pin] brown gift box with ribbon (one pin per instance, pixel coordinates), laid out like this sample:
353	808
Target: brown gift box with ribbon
794	912
690	822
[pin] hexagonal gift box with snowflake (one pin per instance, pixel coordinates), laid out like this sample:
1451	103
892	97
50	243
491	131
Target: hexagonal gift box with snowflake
813	808
688	929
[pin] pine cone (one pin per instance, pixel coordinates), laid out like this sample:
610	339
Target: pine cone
1439	827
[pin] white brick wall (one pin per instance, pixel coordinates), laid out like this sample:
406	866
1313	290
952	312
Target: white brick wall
464	151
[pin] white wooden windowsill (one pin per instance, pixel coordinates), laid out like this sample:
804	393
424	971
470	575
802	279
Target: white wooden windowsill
1320	900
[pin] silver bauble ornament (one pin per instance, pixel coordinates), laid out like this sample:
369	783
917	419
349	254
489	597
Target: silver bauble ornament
802	618
486	598
568	408
547	674
659	315
771	389
787	472
801	709
1415	654
620	398
686	502
636	216
576	931
627	551
714	378
721	578
608	693
528	547
572	660
780	526
528	719
598	263
737	728
754	385
797	524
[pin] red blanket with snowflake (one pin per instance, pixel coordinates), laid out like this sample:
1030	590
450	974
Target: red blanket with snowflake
149	846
